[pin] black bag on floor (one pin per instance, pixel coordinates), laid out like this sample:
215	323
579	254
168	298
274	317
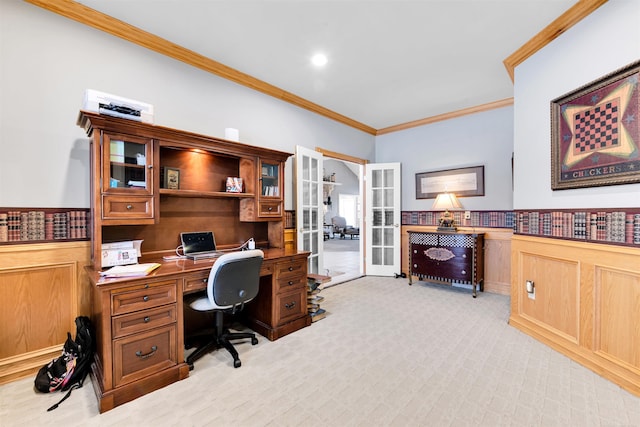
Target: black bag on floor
68	371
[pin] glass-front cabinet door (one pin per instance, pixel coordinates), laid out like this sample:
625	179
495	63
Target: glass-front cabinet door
127	163
270	179
270	198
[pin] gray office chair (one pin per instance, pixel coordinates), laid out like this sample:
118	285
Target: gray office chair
233	281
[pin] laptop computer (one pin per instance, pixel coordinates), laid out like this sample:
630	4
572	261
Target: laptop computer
199	245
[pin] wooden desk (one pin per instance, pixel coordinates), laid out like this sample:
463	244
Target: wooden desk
140	327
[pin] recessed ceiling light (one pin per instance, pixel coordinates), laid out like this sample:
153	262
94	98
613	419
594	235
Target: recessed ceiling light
319	59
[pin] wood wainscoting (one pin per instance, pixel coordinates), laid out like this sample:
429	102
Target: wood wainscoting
497	250
586	303
43	288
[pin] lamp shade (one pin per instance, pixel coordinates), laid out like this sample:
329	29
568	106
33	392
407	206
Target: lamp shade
446	202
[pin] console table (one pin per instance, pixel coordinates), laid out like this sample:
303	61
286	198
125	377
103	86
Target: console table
447	258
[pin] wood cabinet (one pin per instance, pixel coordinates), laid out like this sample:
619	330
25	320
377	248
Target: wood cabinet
129	165
447	258
139	341
126	186
140	321
281	305
268	203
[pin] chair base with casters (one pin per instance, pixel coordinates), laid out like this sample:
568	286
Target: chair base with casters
220	338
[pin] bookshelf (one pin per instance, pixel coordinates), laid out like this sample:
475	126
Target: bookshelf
490	219
41	225
620	226
617	226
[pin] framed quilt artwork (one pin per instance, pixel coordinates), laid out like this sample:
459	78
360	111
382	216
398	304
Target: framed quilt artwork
595	133
463	182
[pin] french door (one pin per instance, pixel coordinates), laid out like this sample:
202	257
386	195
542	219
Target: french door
383	219
309	209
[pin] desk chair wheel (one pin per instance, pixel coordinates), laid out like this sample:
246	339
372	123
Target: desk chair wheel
237	363
254	341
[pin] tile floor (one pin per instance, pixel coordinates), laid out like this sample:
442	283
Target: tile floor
341	260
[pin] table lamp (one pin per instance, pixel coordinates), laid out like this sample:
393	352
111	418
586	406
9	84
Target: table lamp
446	202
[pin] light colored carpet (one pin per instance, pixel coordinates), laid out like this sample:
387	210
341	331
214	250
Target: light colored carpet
387	354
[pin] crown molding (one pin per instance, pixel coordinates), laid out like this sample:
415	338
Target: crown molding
447	116
561	24
98	20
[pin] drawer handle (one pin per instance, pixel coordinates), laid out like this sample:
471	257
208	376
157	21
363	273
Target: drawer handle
270	209
148	355
145	298
290	305
146	319
463	272
290	268
290	282
129	207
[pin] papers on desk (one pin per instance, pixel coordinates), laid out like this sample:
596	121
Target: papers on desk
132	270
121	253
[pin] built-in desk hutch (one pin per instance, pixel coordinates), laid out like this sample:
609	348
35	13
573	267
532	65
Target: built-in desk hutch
151	183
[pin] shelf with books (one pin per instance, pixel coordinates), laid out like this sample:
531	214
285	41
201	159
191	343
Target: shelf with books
618	226
37	225
487	219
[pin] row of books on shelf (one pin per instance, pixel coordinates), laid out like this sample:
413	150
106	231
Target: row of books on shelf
492	219
605	226
270	190
35	225
616	226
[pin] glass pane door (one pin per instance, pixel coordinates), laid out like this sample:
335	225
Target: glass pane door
129	163
309	205
383	226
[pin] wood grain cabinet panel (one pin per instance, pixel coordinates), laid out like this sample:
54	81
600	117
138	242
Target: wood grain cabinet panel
585	302
43	288
617	295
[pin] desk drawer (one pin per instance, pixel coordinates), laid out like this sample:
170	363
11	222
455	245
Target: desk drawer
287	284
295	267
143	296
127	207
139	321
196	282
271	209
140	355
290	306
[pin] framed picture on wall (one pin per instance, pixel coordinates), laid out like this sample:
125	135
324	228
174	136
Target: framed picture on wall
462	182
595	132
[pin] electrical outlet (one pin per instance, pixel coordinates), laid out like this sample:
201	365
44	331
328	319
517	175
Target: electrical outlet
530	288
467	215
532	295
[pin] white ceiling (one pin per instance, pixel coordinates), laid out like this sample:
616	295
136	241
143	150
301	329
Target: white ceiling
390	61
